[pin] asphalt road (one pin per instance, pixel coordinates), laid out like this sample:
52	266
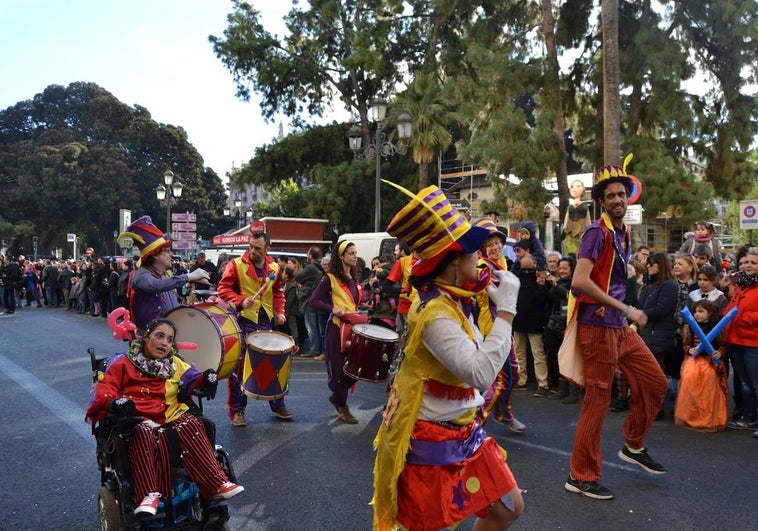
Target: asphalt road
315	473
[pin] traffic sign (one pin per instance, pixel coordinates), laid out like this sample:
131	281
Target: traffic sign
183	246
749	214
183	216
633	215
184	236
70	237
184	227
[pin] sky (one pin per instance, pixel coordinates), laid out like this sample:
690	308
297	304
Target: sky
153	53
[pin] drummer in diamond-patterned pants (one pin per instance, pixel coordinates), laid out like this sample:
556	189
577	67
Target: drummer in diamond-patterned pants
254	273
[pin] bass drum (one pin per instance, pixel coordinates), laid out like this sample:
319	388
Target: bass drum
216	333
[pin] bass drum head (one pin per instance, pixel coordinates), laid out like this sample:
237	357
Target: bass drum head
216	334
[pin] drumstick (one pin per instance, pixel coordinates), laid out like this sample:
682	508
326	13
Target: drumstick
185	345
271	278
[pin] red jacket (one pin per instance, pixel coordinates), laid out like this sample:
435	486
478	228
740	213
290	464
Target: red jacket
743	330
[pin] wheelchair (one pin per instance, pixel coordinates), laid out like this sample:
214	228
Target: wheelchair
115	499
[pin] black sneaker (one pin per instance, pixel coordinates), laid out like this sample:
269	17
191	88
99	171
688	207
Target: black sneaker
590	489
642	459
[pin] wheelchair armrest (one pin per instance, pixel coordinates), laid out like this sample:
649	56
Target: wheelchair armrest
119	423
126	424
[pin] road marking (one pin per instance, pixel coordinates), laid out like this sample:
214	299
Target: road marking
505	442
62	407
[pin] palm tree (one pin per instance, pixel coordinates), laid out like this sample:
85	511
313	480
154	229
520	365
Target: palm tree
432	117
611	99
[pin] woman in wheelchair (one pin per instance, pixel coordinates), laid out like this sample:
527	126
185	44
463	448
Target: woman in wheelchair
151	382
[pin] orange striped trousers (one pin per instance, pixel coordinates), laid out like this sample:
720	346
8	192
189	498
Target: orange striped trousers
603	349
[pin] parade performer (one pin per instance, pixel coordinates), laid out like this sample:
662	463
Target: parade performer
497	399
434	465
339	294
252	283
152	287
148	381
598	338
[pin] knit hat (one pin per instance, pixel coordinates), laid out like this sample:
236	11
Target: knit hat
432	227
147	237
489	225
613	173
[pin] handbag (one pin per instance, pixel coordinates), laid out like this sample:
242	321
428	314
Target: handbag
570	354
556	323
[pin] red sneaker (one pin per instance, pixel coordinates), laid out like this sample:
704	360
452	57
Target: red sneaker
149	504
228	490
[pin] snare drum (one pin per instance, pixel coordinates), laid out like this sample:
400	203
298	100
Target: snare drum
371	350
216	333
266	370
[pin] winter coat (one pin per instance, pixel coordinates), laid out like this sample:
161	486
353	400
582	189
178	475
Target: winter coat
658	301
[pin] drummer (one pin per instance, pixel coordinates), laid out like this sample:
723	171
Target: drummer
338	293
152	287
243	278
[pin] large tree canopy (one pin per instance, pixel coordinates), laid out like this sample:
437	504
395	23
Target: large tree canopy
73	156
494	64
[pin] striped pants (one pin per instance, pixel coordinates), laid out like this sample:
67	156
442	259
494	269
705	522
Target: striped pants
603	349
151	463
497	399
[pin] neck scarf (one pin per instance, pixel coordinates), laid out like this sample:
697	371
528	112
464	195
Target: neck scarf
744	280
703	238
161	368
469	289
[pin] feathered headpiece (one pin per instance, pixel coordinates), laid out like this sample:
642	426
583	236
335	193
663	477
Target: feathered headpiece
613	173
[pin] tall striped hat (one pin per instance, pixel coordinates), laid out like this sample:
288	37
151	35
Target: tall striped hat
147	237
431	226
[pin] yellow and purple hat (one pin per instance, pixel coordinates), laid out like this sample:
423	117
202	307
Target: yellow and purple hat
432	227
612	173
489	225
146	236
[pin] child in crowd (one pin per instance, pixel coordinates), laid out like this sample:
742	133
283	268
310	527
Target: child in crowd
291	305
707	277
703	232
702	389
76	294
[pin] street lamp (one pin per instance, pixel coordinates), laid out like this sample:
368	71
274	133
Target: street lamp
381	146
162	193
238	208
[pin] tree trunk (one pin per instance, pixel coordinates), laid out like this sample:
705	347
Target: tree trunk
553	87
423	175
611	100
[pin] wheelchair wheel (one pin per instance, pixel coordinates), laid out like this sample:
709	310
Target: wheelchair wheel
225	463
107	510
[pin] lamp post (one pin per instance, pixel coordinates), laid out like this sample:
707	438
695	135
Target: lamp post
238	208
381	146
168	193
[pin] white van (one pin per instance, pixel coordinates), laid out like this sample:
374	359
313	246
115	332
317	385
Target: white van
371	244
